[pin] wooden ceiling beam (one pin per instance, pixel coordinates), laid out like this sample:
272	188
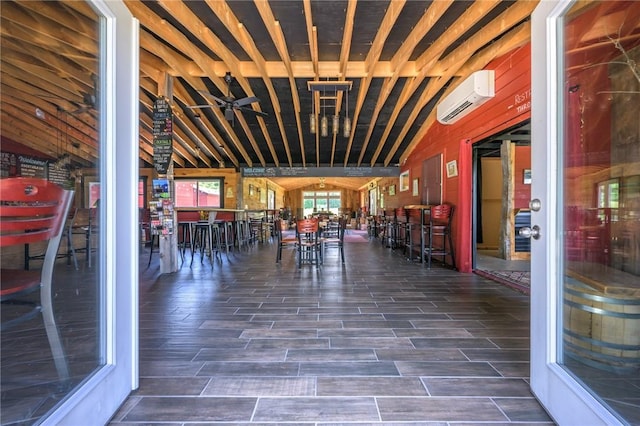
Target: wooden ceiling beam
484	36
371	62
277	36
514	38
226	15
426	22
47	31
180	42
212	134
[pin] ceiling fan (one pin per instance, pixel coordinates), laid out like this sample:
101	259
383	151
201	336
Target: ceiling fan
229	103
88	103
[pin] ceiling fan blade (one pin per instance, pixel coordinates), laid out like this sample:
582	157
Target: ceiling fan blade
203	106
245	101
253	111
212	98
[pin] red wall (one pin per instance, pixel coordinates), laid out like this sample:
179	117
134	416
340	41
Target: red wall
511	105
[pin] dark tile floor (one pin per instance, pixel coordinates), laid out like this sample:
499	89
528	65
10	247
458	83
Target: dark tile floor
378	340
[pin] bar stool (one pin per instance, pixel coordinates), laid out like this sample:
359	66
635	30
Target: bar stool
201	239
185	231
215	240
226	236
439	227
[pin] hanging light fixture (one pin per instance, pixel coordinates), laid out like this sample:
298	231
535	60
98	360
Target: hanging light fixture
335	86
346	130
312	116
324	123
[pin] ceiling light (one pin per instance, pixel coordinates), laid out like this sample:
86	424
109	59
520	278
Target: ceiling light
335	87
346	130
312	123
324	126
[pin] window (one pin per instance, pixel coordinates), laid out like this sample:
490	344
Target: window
321	201
198	193
608	196
142	185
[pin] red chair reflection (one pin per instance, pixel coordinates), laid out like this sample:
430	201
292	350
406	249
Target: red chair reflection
33	210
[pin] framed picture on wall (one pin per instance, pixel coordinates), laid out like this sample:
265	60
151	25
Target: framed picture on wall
404	181
452	168
527	177
392	190
416	188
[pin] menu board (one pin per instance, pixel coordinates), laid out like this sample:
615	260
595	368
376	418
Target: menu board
59	175
162	135
8	164
320	171
32	167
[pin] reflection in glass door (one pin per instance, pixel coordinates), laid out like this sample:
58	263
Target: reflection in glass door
32	384
601	203
585	365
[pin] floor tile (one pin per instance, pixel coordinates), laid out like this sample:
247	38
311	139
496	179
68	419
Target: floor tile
322	409
439	409
185	409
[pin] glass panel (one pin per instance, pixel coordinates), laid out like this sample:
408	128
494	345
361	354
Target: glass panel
321	204
601	199
65	88
198	193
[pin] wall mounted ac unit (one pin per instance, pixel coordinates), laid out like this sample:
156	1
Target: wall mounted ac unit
477	89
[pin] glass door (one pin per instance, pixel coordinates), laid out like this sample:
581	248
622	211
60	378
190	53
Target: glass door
109	341
585	262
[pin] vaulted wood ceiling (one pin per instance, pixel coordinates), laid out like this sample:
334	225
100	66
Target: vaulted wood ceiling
400	56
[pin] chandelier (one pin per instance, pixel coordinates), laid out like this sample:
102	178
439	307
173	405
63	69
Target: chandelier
331	92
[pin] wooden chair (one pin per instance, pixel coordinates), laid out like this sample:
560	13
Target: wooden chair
309	244
33	210
335	239
282	240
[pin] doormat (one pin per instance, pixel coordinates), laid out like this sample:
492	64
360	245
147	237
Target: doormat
518	280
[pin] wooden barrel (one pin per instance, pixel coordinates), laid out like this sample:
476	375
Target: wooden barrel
600	330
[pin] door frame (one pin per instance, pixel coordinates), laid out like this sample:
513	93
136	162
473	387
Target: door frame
564	397
102	393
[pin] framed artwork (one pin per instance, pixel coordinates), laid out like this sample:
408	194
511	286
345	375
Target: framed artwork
527	177
452	168
404	181
271	199
416	187
392	190
91	188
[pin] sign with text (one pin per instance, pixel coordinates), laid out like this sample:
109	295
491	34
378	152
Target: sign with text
320	171
162	135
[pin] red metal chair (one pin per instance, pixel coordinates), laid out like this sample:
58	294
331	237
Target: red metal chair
33	210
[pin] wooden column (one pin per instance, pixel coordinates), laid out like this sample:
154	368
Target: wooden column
168	244
506	240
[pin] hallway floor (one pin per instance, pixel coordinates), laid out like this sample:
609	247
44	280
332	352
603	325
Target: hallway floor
378	340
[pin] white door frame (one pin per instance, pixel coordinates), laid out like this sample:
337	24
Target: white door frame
98	398
562	395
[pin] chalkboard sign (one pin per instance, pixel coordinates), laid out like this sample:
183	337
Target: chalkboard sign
32	167
59	175
320	171
162	135
9	164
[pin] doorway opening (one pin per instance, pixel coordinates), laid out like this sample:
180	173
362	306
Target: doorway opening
501	194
